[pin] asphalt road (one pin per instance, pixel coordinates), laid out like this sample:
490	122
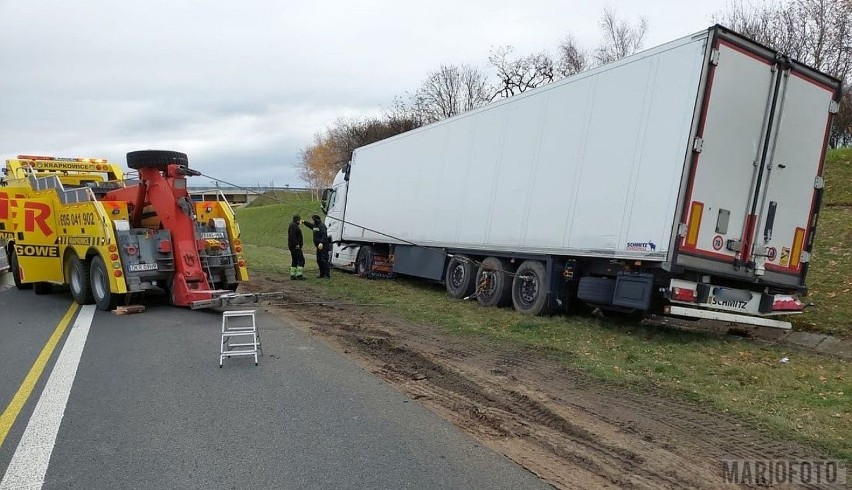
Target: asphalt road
149	408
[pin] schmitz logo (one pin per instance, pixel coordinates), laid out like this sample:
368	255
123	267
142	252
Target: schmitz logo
648	246
36	214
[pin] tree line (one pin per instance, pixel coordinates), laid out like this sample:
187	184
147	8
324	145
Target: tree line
815	32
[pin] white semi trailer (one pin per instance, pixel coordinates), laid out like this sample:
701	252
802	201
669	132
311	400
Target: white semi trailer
686	177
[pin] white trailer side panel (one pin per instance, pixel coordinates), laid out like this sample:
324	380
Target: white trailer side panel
586	166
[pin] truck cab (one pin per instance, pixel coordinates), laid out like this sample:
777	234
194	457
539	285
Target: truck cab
343	256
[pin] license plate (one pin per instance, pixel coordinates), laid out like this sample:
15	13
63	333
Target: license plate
212	234
142	267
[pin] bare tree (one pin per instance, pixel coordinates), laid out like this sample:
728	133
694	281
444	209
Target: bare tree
518	75
620	37
572	59
451	90
815	32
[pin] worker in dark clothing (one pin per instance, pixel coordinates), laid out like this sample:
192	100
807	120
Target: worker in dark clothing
295	243
323	243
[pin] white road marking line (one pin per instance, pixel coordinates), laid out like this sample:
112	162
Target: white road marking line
29	463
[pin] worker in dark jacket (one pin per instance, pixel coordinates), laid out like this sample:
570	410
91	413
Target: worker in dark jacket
323	243
295	243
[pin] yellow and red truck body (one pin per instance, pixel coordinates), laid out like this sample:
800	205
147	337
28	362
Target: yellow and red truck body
64	221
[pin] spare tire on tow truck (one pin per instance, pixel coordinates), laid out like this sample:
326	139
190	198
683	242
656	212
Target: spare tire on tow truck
156	159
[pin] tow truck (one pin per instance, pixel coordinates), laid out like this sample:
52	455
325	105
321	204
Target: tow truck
112	237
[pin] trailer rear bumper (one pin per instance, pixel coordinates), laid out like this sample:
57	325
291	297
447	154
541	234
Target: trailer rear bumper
726	317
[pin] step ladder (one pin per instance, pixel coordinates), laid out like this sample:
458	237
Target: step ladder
229	331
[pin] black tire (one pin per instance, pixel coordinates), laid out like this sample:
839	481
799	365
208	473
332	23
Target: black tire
79	281
156	159
364	261
530	289
99	275
16	271
42	287
494	283
460	279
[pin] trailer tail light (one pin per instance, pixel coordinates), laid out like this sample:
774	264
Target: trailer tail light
684	294
165	246
117	273
113	257
112	249
242	263
787	303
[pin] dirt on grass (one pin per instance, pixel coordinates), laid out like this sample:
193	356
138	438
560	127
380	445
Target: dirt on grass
570	429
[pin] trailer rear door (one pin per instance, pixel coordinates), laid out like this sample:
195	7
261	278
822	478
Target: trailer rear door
786	210
757	153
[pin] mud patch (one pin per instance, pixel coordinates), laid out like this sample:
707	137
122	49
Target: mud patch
572	430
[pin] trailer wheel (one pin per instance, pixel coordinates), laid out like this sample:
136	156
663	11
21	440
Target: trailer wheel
42	287
530	289
493	283
104	298
79	282
460	279
156	159
364	261
16	271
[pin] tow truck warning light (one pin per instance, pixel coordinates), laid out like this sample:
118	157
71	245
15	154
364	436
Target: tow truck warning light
61	159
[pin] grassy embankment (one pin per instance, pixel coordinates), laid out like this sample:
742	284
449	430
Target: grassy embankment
808	399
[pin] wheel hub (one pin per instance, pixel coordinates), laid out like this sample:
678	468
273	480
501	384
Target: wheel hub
99	288
76	282
457	277
529	290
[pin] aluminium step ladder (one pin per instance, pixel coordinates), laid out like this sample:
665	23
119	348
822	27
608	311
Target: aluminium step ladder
229	331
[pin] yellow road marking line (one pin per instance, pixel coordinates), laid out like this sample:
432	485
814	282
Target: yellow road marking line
26	389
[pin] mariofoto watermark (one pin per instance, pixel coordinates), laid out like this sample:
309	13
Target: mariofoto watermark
783	472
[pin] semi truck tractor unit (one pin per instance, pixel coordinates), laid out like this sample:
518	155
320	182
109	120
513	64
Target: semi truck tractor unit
82	223
685	178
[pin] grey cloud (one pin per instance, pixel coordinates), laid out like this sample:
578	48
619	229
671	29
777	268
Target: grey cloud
238	82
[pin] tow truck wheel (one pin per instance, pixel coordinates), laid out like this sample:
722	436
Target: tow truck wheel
16	271
156	159
104	298
78	279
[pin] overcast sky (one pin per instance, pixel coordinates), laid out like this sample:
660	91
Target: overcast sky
241	86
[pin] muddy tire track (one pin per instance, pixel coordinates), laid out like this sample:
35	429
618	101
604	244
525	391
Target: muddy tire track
570	429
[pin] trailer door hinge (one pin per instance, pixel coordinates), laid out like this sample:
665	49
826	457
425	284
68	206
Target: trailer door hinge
819	182
805	257
698	144
833	107
681	229
714	57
